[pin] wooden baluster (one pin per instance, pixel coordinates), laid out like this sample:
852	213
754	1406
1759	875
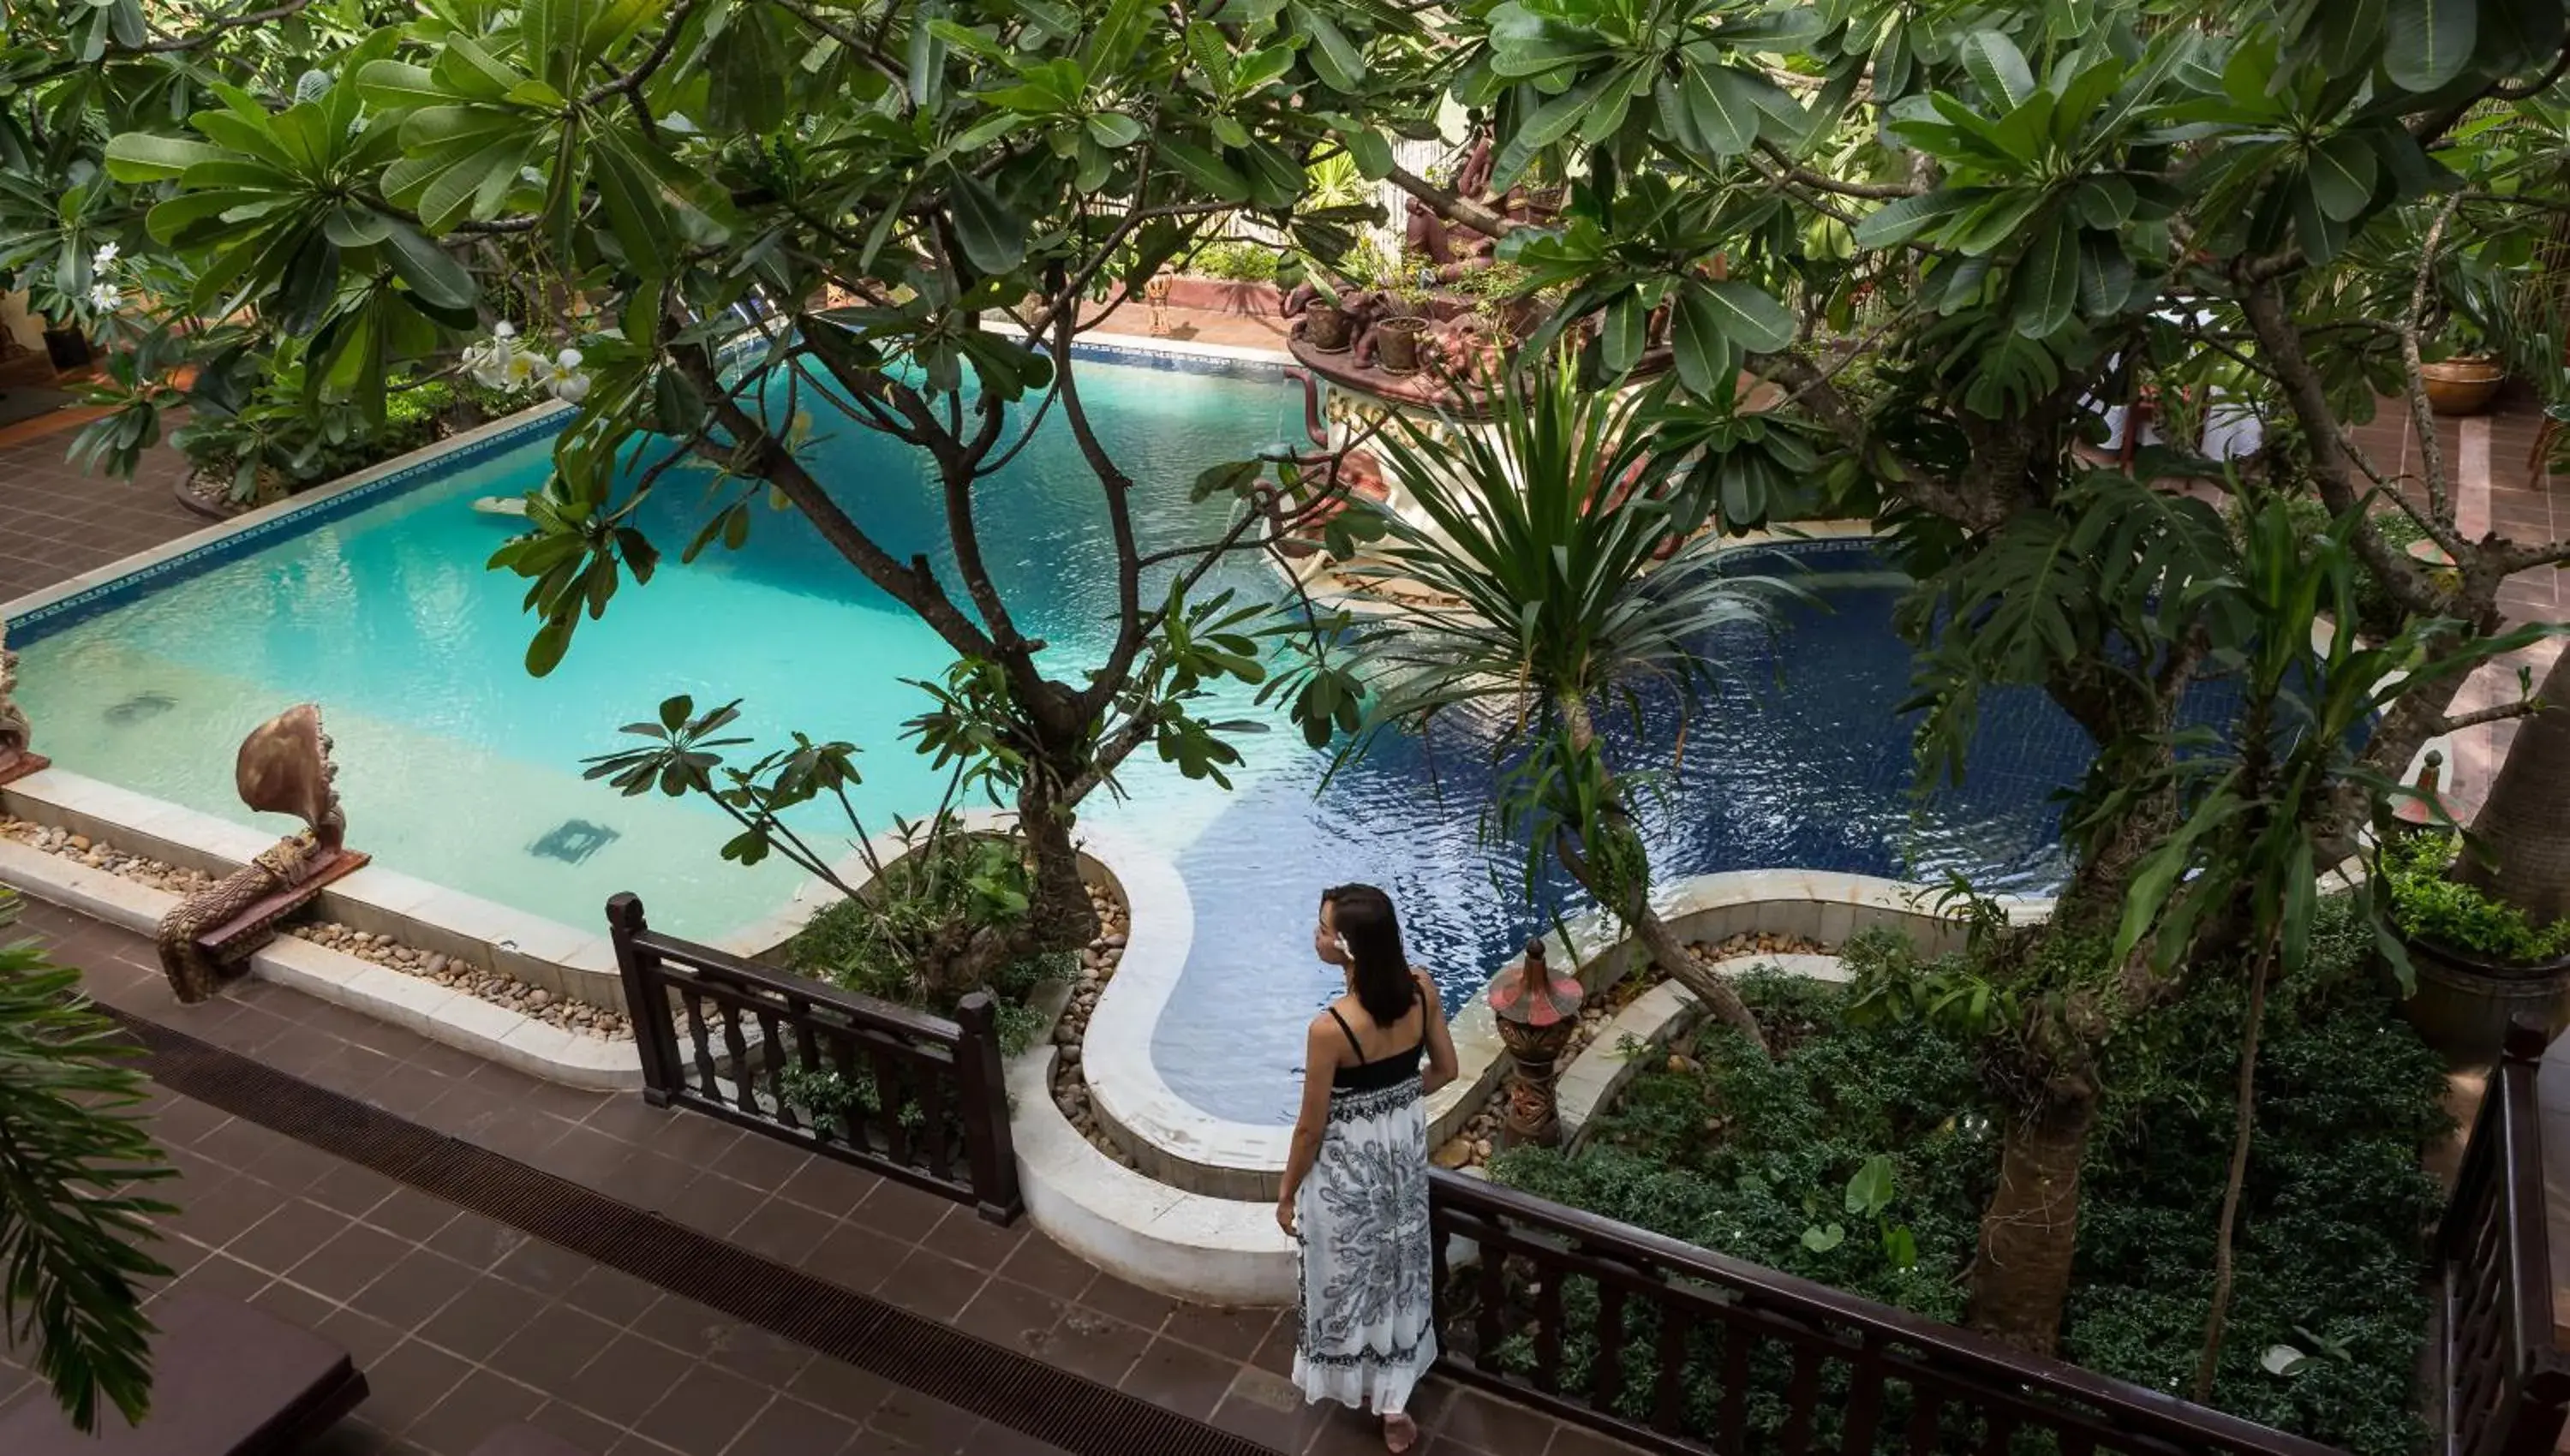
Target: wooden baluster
890	1095
852	1113
1735	1387
1488	1329
2079	1443
771	1043
705	1079
744	1078
1864	1403
1802	1398
1547	1328
1607	1382
1926	1402
807	1059
1668	1395
932	1120
2000	1431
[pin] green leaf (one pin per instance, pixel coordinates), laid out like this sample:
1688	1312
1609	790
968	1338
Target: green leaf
1113	130
1902	218
140	156
1339	64
1749	317
1205	168
1624	332
1370	152
425	266
994	237
1998	67
2105	276
2342	172
2430	41
2048	280
1552	122
1724	109
1702	348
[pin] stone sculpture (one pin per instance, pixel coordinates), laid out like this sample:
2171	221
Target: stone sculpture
284	768
17	760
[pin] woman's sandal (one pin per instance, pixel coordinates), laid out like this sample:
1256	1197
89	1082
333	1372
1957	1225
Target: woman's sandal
1400	1432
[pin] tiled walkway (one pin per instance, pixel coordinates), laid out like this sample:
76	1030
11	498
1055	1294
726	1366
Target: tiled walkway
56	522
462	1324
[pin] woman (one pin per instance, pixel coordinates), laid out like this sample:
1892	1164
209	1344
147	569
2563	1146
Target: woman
1356	1184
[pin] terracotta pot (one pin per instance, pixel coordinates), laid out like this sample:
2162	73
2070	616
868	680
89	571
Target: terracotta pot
2462	386
1397	344
1325	328
2464	1002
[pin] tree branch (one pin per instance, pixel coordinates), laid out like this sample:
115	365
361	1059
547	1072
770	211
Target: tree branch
1823	181
1448	205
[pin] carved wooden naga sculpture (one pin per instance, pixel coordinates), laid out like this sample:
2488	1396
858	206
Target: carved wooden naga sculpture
17	759
284	768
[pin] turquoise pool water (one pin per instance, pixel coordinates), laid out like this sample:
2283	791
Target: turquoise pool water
459	768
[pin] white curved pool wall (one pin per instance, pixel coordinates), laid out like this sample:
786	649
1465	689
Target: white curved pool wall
1183	1145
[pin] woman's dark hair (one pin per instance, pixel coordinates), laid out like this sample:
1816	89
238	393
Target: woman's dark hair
1363	916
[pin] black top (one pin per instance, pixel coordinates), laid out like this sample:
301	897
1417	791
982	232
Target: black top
1383	1071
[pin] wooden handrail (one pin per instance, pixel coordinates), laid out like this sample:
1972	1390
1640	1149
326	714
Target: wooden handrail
915	1097
1947	1350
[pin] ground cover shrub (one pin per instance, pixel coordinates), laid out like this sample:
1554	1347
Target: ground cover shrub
1862	1156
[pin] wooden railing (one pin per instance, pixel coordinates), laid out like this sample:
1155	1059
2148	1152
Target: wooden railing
911	1096
2506	1388
1680	1351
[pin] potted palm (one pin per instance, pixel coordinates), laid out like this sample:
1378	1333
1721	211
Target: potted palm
2480	961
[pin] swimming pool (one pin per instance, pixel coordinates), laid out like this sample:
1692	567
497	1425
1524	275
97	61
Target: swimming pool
459	768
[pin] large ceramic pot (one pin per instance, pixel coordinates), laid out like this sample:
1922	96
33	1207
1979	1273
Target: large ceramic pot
2461	386
1397	344
1325	328
2463	1003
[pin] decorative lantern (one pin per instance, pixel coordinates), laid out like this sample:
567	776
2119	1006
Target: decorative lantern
2429	808
1536	1011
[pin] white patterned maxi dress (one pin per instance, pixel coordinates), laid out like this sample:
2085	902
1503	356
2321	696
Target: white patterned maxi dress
1364	1297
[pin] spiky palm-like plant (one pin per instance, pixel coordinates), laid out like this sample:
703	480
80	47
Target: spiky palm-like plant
1568	571
73	1234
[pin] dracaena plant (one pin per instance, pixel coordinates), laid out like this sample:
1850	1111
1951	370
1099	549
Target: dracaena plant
1566	570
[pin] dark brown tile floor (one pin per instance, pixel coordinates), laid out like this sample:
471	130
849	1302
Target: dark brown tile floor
464	1324
57	523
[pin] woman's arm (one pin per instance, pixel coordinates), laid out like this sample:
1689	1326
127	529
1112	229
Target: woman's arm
1320	1066
1441	1044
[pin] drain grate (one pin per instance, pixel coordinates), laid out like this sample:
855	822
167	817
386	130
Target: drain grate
573	840
991	1382
138	707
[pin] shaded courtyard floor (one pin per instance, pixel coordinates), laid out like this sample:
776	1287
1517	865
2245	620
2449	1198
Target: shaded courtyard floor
464	1324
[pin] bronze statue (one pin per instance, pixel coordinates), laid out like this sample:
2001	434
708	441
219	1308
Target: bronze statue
17	760
284	768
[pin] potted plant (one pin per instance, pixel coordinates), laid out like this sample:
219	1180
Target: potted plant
2479	961
2465	380
1396	336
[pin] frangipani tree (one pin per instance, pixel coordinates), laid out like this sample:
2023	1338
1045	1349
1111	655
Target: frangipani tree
916	201
1952	235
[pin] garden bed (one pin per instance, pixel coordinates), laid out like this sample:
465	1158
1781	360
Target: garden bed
1863	1155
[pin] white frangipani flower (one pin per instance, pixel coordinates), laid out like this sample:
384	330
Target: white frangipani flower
504	330
519	369
571	389
104	297
104	258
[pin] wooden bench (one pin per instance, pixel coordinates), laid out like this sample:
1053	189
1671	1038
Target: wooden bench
226	1380
525	1441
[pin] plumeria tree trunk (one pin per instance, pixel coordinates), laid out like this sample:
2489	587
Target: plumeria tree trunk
2525	825
2021	1265
1631	904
